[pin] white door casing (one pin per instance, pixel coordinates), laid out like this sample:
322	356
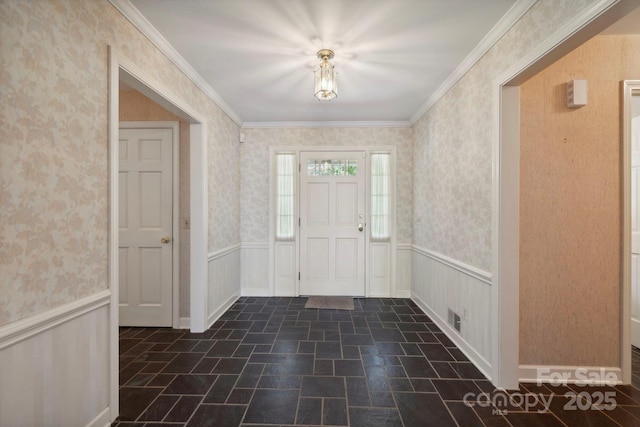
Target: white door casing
635	231
332	221
145	227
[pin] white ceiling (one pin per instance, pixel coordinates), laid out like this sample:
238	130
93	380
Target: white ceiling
392	56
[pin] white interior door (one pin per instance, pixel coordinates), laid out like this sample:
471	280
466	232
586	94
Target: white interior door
635	232
145	221
332	220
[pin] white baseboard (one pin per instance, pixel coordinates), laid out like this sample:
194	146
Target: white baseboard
184	323
255	292
258	292
557	375
474	357
221	310
406	293
101	420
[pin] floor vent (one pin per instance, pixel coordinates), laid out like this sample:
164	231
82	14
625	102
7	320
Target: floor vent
453	319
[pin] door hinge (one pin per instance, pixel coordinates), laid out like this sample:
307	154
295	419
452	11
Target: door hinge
298	275
299	224
299	167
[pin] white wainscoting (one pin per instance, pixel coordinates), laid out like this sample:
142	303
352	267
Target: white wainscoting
254	267
440	283
54	366
403	270
286	269
379	270
254	270
224	281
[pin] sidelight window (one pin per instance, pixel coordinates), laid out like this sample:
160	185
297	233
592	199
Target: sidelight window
380	176
285	196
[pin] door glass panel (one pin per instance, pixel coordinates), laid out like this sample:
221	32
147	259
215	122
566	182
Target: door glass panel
328	167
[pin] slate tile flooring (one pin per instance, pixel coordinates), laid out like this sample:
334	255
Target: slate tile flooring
635	367
271	362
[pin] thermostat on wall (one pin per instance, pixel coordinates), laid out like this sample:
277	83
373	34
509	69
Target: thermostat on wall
576	93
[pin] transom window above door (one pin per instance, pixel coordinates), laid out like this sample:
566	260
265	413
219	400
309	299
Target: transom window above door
328	167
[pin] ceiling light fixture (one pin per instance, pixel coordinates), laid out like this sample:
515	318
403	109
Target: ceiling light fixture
326	87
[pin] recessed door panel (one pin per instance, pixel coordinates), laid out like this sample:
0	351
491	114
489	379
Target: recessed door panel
123	149
318	258
123	189
123	284
346	259
318	203
346	203
150	292
150	149
151	194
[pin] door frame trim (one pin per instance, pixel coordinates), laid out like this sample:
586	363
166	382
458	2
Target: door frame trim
368	150
505	167
628	88
175	206
121	68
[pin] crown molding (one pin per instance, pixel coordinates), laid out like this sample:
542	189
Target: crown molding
134	16
508	20
320	124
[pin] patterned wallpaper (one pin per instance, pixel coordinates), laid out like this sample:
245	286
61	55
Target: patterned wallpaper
255	169
54	160
223	159
453	145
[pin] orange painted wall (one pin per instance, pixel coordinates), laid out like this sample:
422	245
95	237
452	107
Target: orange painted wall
570	207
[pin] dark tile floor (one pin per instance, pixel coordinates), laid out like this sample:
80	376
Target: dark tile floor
635	367
271	362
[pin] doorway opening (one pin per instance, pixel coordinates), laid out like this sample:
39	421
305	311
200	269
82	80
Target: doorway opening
121	69
506	149
333	221
631	226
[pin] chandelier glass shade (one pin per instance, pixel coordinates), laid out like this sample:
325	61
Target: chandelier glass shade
325	88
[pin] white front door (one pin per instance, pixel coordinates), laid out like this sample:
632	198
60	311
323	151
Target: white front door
332	220
145	220
635	231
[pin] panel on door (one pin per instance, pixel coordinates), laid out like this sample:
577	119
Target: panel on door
635	231
145	227
332	212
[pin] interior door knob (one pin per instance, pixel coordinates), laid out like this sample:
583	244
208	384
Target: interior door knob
360	227
165	239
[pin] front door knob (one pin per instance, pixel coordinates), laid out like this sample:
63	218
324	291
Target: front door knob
360	227
165	239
